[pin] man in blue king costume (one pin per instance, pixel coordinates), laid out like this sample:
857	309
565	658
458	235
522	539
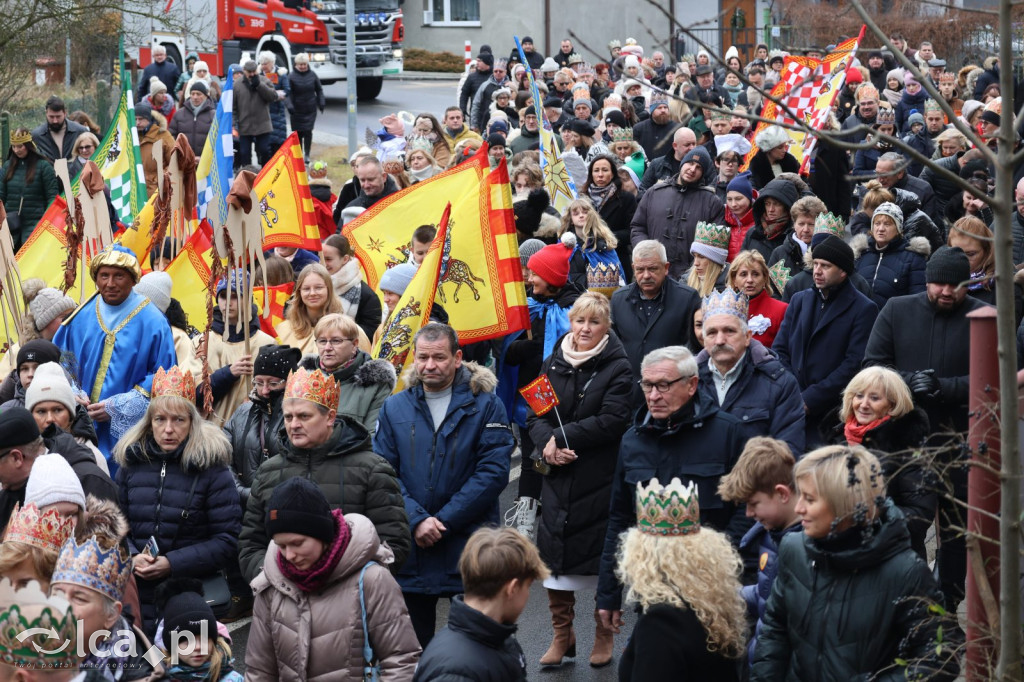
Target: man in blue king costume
119	341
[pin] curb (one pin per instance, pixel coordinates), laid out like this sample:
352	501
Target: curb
425	76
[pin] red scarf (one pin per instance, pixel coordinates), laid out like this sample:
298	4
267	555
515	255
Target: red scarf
317	575
855	432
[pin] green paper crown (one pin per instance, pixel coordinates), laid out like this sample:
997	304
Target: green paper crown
622	135
931	105
780	275
669	510
29	609
831	223
714	235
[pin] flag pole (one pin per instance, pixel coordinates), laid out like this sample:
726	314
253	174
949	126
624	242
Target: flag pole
561	426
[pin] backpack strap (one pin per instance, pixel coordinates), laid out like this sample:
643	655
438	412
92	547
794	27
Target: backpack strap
367	649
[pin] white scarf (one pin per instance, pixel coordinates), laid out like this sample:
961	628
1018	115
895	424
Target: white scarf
424	173
346	283
578	357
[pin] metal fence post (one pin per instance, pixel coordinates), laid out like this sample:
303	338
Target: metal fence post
5	131
102	104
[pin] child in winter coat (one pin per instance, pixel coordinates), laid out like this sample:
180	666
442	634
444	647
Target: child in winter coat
195	650
918	139
763	480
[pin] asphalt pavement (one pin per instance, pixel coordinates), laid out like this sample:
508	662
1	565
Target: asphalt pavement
534	627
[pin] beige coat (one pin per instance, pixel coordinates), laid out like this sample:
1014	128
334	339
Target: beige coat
318	637
223	354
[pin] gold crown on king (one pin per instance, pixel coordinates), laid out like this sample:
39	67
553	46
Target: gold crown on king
726	302
45	530
29	610
174	382
713	235
91	566
603	278
830	223
622	135
667	510
314	386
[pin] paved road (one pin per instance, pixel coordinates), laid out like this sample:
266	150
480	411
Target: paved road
534	627
416	97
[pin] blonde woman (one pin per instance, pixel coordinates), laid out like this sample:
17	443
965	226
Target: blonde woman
851	596
312	298
709	249
594	264
686	578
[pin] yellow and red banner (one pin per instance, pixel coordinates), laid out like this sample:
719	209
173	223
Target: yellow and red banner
191	270
277	296
285	202
481	287
413	310
43	254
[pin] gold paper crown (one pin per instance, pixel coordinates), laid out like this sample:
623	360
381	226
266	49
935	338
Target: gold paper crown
713	235
931	105
866	91
28	610
116	256
830	223
89	565
947	77
603	278
622	135
314	386
23	138
885	117
174	382
780	275
668	510
45	530
726	302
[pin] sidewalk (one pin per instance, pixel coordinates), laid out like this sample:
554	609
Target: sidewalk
425	76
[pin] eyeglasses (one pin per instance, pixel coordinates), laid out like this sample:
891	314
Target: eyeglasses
272	385
662	386
87	145
336	343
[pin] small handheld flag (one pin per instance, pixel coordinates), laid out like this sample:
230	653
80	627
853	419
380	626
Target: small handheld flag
540	395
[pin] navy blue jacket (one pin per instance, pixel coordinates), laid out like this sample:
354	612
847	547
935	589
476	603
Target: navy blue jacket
153	489
765	397
896	270
454	474
700	443
756	596
824	350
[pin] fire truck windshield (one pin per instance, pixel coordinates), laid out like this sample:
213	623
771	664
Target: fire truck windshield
333	6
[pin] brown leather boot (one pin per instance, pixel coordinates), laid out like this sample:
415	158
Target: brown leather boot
563	644
604	640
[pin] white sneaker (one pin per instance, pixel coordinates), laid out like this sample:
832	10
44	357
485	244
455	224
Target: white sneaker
523	516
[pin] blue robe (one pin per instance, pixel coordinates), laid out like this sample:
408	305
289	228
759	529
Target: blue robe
117	358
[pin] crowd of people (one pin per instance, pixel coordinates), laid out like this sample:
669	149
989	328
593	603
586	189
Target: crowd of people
762	384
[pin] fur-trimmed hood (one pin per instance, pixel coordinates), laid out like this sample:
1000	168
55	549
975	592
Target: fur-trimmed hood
104	519
370	372
212	450
479	378
861	243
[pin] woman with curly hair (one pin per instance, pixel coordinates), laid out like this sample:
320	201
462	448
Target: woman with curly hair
687	581
312	298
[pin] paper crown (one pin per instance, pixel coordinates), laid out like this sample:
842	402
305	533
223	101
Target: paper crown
116	256
314	386
23	138
668	510
713	235
614	43
831	223
885	117
174	382
584	69
718	115
28	610
726	302
574	58
45	530
780	275
657	98
931	105
867	91
947	77
318	170
581	94
89	565
421	144
622	135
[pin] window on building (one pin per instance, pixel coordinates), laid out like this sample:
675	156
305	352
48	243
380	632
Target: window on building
453	12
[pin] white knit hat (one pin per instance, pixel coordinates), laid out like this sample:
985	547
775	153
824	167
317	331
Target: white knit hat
48	304
156	286
52	480
50	383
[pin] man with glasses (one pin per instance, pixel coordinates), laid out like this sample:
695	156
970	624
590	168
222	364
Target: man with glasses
864	114
482	99
529	133
680	433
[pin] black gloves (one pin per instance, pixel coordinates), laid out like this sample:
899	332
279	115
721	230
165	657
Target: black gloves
924	385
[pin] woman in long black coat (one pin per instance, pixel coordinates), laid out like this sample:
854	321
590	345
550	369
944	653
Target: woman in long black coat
616	207
591	376
306	98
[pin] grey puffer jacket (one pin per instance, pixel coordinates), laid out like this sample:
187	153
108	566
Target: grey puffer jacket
318	636
364	386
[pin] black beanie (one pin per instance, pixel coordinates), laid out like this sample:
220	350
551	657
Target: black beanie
38	351
186	612
948	265
487	58
276	361
299	506
835	251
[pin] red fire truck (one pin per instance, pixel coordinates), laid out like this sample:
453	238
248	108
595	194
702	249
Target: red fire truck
221	32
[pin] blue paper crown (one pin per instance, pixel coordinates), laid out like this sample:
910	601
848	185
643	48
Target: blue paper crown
89	565
728	302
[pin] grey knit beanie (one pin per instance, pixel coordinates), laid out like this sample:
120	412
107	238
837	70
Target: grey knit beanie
48	304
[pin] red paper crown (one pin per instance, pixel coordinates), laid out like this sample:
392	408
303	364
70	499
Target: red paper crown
314	386
174	382
47	530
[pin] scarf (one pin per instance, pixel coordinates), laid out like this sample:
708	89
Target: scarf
773	229
186	673
599	195
983	284
801	244
346	286
576	358
556	321
855	432
424	173
315	577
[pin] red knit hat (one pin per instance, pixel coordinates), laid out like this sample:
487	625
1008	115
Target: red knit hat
853	75
551	263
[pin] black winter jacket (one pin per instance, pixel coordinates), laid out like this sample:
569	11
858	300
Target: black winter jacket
195	123
783	191
844	611
198	535
594	404
670	643
945	189
896	270
351	476
761	172
306	98
472	647
790	253
662	168
94	480
252	431
670	324
699	444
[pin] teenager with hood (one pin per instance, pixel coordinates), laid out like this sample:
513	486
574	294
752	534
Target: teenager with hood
772	222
